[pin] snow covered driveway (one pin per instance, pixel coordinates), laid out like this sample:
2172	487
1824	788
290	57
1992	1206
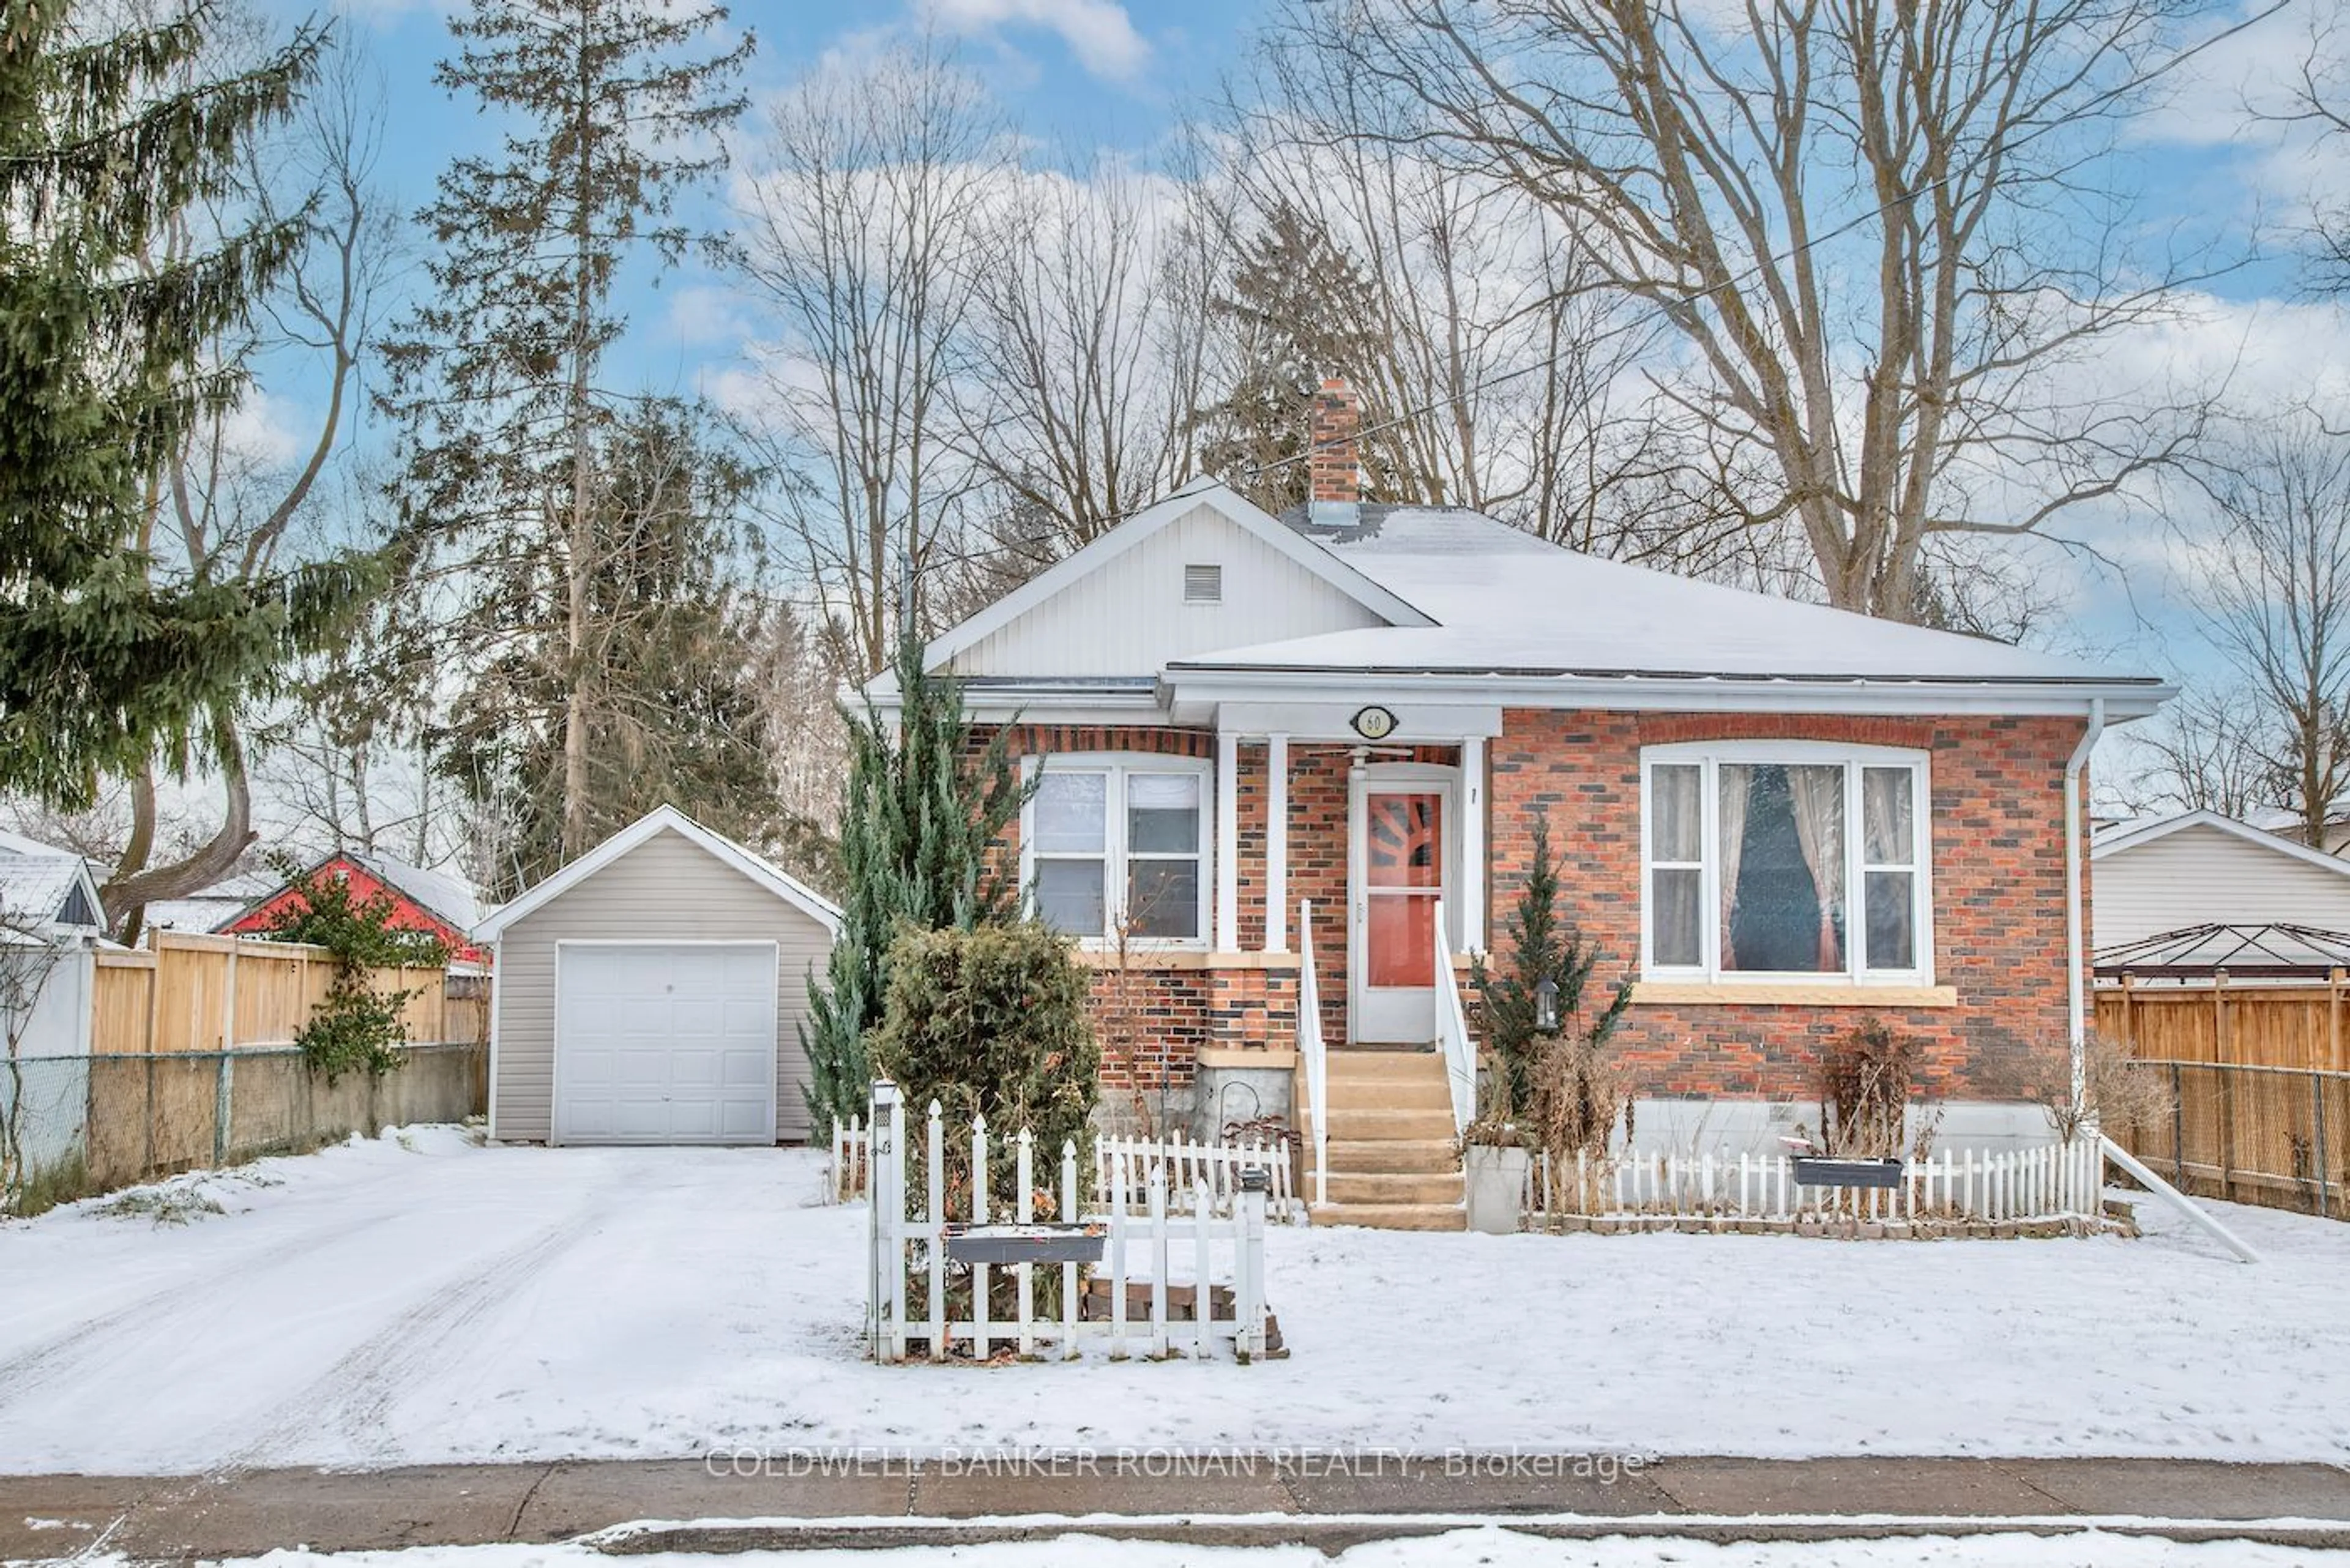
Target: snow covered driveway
418	1299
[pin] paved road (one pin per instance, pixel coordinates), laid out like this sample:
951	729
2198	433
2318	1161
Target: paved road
1330	1501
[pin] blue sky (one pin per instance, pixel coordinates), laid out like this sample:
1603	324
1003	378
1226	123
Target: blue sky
1081	75
1085	75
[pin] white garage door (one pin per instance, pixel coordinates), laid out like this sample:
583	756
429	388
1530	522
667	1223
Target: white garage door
665	1042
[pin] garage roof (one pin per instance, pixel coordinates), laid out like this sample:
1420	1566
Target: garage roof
663	819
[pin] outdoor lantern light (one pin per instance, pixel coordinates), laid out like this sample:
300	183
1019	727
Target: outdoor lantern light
1546	1005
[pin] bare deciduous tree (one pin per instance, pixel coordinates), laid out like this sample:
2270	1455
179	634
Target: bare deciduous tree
1084	366
864	204
1871	228
225	508
2205	751
2276	600
2319	101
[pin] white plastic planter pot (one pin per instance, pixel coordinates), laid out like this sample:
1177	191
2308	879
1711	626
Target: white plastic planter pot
1495	1178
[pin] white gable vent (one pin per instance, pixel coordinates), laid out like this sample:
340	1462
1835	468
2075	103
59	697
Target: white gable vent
1203	585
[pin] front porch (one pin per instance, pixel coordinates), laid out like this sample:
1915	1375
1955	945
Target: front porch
1341	880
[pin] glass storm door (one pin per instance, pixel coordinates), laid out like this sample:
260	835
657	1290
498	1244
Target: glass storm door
1402	868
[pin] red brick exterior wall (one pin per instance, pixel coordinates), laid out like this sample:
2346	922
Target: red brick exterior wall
1998	847
1997	833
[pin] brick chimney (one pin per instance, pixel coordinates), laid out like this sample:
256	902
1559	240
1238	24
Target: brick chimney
1336	486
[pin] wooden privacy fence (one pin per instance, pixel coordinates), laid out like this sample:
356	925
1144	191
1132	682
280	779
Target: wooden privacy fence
2272	1136
1109	1276
184	991
2055	1183
2261	1024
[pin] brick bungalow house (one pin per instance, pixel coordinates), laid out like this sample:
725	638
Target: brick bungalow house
1307	754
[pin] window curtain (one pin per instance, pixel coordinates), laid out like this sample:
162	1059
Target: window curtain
1884	817
1817	796
1737	781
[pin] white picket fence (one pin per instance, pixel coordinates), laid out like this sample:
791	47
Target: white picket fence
2051	1182
1191	1164
1147	1239
852	1160
1193	1167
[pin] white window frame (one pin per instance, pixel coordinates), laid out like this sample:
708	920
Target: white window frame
1709	756
1116	875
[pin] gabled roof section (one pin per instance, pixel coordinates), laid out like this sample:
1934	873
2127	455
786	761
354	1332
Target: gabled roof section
2131	835
1381	599
46	889
450	898
662	819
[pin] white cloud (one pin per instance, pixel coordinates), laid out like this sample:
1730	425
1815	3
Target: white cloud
1099	32
262	429
707	315
387	13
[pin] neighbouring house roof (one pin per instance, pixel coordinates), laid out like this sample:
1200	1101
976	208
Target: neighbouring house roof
2136	832
450	898
662	819
1468	608
47	889
2274	952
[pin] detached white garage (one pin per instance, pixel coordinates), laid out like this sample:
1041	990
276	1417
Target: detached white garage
651	992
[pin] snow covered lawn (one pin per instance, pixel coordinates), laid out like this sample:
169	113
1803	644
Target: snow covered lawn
418	1299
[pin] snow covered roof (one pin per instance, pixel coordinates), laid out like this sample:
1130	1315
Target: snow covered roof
1451	610
1504	602
44	888
450	898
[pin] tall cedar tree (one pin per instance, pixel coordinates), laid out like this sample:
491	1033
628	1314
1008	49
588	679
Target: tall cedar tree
610	116
1542	948
1297	310
676	714
106	143
924	807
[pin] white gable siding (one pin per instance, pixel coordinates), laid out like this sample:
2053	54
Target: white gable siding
1129	618
2201	876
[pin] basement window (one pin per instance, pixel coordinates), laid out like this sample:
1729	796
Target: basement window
1203	585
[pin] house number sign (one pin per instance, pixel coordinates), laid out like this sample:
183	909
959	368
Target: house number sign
1375	724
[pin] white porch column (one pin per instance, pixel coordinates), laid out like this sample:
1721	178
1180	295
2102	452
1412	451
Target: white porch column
1227	841
1276	844
1472	843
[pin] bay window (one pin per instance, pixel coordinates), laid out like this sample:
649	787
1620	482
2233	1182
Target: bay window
1119	846
1785	860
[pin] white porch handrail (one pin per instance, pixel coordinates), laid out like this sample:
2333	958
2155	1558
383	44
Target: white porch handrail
1311	1052
1453	1031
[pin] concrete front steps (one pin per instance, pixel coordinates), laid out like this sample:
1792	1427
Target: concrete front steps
1393	1162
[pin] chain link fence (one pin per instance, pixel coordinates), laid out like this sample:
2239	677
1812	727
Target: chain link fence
2273	1135
71	1126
